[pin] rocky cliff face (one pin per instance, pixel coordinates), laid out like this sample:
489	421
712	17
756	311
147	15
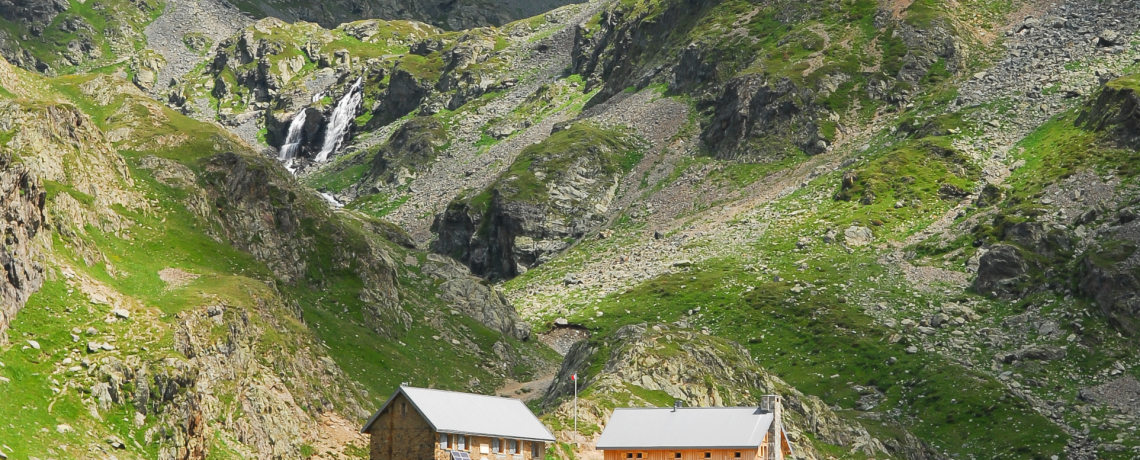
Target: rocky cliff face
229	381
1116	110
665	362
555	192
409	150
775	98
758	120
475	297
454	15
268	215
49	36
22	198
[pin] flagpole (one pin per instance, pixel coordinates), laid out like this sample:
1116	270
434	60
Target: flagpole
575	379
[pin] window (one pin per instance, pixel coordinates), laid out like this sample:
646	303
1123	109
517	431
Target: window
629	455
534	450
708	454
403	408
443	440
461	444
676	455
513	446
736	454
495	445
639	455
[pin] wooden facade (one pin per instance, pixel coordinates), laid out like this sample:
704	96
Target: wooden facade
760	453
401	433
484	448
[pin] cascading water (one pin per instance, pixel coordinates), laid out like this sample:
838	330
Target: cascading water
341	119
293	140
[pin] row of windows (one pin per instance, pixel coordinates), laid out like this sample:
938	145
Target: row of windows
498	446
637	455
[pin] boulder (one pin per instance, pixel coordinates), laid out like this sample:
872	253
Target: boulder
1109	38
858	236
1034	353
1001	271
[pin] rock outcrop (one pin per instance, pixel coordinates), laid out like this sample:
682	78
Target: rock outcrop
266	213
22	198
554	193
1117	110
411	148
1108	274
475	297
1002	272
761	121
264	395
454	15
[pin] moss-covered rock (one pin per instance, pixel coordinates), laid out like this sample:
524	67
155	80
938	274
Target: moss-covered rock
554	193
412	147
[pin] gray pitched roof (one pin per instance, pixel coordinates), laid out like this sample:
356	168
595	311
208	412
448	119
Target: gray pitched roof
686	428
466	413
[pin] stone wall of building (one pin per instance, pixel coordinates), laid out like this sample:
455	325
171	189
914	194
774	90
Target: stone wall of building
401	433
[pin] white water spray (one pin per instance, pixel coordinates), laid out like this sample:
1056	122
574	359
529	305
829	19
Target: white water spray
331	200
293	140
341	119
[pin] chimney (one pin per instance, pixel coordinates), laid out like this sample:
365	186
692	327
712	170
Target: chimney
772	404
676	404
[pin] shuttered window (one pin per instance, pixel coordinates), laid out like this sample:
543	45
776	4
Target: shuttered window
443	440
513	446
495	445
461	444
534	450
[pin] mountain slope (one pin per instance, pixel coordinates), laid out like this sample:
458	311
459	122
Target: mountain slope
914	220
197	301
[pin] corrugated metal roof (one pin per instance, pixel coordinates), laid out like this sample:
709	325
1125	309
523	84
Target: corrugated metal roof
685	428
466	413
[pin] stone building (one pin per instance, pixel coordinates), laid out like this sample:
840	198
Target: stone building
696	433
426	424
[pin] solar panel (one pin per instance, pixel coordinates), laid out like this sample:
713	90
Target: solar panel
460	455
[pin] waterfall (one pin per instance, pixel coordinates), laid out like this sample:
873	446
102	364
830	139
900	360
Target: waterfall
341	119
294	139
331	200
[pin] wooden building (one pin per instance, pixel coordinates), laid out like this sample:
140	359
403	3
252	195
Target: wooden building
696	433
425	424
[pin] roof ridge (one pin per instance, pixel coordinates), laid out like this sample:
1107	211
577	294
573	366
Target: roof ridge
503	398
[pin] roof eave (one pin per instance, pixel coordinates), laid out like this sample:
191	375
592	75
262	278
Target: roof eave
490	435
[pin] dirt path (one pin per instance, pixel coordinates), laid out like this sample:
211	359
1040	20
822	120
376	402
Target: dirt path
526	391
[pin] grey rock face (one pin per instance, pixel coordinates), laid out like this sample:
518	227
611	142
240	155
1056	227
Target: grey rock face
1001	271
556	192
475	298
22	198
454	15
410	149
1115	288
36	13
1117	110
405	92
759	120
263	213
